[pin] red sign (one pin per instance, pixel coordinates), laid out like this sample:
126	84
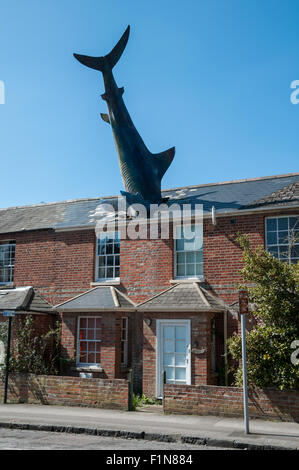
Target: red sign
243	302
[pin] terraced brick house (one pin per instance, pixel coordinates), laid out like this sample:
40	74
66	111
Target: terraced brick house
150	305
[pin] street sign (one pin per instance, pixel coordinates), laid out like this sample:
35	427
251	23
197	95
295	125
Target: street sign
9	313
243	302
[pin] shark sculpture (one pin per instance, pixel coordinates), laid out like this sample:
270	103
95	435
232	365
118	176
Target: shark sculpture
141	170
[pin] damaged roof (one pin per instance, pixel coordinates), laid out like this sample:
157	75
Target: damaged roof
184	297
24	299
227	197
97	299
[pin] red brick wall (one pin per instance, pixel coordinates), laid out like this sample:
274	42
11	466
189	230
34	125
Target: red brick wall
61	264
68	391
228	401
200	362
110	344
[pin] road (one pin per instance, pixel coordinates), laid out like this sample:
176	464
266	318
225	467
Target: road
12	439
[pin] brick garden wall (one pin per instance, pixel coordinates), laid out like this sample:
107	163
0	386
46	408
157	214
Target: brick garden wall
68	391
228	401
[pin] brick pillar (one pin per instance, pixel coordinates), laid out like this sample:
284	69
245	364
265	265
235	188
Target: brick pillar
201	354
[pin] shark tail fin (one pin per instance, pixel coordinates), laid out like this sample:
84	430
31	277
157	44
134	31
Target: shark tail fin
163	160
98	63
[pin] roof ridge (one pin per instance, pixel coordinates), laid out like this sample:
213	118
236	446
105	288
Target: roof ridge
157	295
201	294
242	180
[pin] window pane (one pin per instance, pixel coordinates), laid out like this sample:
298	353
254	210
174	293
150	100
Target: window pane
98	333
180	360
181	270
169	373
90	334
109	245
168	360
189	251
199	269
180	245
271	224
180	332
190	270
180	374
181	258
102	260
294	222
83	357
168	332
190	257
274	251
109	272
168	346
91	322
91	358
180	346
109	249
283	237
283	252
102	273
110	260
295	251
272	238
283	223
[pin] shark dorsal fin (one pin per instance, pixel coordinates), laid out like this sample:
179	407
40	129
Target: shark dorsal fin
162	160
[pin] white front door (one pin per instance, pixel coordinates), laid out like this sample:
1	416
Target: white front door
173	352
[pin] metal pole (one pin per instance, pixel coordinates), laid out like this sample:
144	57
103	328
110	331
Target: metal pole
245	394
7	359
131	390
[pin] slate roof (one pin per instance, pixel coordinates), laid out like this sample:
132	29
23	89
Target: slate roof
227	197
287	195
25	299
97	299
184	297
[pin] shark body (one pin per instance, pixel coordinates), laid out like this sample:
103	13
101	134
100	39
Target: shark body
141	170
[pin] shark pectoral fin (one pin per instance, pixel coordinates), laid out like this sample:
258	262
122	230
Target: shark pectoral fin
121	90
163	160
105	117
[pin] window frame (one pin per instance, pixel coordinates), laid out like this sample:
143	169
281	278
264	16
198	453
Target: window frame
277	244
195	277
86	365
124	342
106	279
9	243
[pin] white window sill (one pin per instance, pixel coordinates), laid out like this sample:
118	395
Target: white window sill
82	368
106	282
186	280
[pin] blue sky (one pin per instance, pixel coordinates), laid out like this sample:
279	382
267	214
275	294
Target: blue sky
210	77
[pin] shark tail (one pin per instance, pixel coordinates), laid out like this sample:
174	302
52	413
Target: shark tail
99	63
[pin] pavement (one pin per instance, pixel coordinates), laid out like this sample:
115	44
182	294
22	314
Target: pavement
202	430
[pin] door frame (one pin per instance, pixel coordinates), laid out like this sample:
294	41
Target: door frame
159	348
